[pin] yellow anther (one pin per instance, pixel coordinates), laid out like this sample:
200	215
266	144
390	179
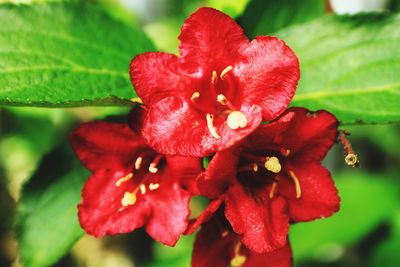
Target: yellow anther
273	189
225	71
153	168
222	99
255	167
211	127
137	100
194	96
238	261
296	183
272	164
138	163
124	179
142	189
153	186
214	77
128	199
236	119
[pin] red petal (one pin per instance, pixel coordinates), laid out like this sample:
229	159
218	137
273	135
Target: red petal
170	210
173	127
156	75
101	212
268	75
186	169
105	145
309	136
278	258
211	248
319	197
262	222
219	173
204	216
210	40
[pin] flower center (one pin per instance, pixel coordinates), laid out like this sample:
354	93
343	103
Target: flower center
144	186
266	170
221	109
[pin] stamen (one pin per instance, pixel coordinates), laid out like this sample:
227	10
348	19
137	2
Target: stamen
225	233
153	186
272	164
296	183
222	99
238	260
138	163
128	199
142	189
153	168
211	127
351	160
124	179
214	77
285	152
255	167
273	189
225	71
236	119
195	96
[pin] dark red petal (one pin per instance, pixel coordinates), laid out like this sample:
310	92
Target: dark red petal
186	169
172	127
101	144
308	135
319	196
268	75
219	173
278	258
211	248
101	212
262	222
156	75
204	216
210	40
170	209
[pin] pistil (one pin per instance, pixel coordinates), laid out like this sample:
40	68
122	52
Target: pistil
236	120
238	260
272	164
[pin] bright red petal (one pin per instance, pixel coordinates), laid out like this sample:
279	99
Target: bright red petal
278	258
268	75
204	216
101	144
210	40
319	197
170	210
219	173
172	127
157	75
262	222
101	212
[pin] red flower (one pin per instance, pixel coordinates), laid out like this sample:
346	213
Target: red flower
132	185
275	177
219	88
218	245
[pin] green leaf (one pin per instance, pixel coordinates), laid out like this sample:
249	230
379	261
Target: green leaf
263	17
349	66
58	55
366	201
47	224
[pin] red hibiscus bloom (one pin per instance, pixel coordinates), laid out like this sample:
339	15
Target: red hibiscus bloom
217	91
275	177
219	246
132	185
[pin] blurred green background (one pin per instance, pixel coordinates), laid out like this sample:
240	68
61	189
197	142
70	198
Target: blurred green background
366	232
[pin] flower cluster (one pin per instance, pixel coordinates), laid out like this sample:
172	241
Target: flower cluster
226	99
